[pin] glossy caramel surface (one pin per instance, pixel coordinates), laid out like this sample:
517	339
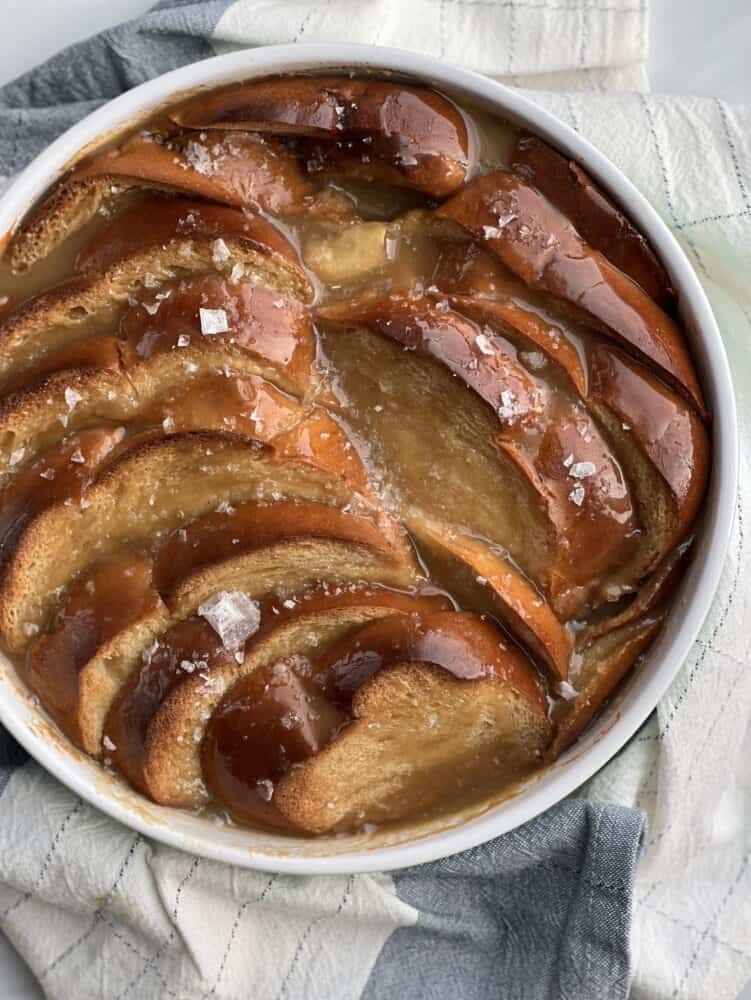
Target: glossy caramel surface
458	365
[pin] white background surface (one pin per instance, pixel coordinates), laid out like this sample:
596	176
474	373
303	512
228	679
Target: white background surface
697	46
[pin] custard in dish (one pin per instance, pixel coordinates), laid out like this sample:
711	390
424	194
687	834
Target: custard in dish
351	452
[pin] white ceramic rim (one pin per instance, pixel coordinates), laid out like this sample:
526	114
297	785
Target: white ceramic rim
631	708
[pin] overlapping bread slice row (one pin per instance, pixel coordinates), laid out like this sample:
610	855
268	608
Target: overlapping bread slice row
267	146
156	552
545	416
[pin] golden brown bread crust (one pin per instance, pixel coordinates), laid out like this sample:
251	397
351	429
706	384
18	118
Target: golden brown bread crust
91	306
417	731
284	567
604	663
169	766
569	467
154	487
598	220
415	137
483	580
537	243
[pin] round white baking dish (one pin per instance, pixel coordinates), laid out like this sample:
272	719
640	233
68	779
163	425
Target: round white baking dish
421	842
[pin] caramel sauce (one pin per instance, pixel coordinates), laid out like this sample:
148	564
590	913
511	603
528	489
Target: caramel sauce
113	595
60	474
283	713
474	293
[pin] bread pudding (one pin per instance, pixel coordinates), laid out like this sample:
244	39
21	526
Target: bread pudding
351	452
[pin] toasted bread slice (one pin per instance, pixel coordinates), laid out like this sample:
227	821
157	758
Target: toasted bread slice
413	136
90	307
483	580
659	437
286	566
114	600
240	170
153	488
164	734
539	244
418	735
157	222
597	219
602	666
399	402
542	430
538	340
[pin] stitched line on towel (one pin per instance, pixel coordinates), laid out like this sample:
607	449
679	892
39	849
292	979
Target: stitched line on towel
111	927
733	153
304	24
690	927
584	44
238	917
717	719
512	43
666	181
96	916
714	218
149	966
56	841
723	903
572	111
442	28
306	934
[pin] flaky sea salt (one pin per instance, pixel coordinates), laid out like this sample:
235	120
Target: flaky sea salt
533	359
183	340
568	461
213	321
220	252
16	456
580	470
78	457
265	789
152	308
108	744
200	159
72	398
483	344
168	425
233	616
577	495
506	410
237	272
565	690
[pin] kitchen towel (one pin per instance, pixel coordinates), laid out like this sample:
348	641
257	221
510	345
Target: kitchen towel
100	913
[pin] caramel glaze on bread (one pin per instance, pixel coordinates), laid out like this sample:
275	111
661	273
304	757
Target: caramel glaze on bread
348	463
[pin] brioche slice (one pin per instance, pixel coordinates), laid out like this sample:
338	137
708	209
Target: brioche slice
535	241
597	219
110	608
546	436
379	130
485	581
153	488
286	566
242	170
89	307
60	473
402	404
159	731
157	222
602	665
418	735
539	341
662	444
